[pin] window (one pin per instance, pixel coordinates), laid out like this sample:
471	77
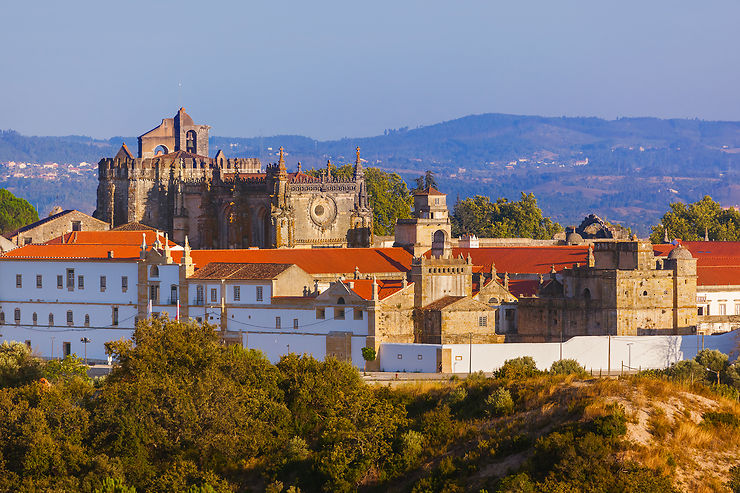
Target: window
340	301
60	282
237	293
28	240
722	309
483	321
358	314
51	319
66	348
39	280
87	320
2	318
277	322
17	315
76	226
320	314
173	295
35	318
124	283
115	315
18	281
28	343
154	293
419	357
102	284
509	314
70	279
700	311
259	293
339	314
295	323
199	295
154	271
737	308
191	142
80	282
400	356
213	295
70	317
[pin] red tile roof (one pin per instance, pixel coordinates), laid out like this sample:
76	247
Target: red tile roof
429	191
364	288
109	238
523	287
73	251
523	260
226	270
314	260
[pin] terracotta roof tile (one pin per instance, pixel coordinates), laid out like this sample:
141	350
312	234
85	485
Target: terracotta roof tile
228	270
364	287
523	287
523	260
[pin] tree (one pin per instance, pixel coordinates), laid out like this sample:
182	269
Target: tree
390	199
691	222
17	365
502	219
425	181
15	212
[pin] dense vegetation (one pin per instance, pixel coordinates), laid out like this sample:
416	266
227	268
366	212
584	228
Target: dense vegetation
502	219
14	212
690	222
183	413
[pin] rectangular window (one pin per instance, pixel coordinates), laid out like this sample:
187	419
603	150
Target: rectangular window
482	321
115	315
737	308
39	280
27	241
154	293
722	309
173	295
295	323
17	315
213	295
80	282
66	348
277	322
18	281
70	317
358	314
339	314
237	293
70	279
700	311
259	293
76	226
509	314
60	282
124	283
320	314
102	284
199	299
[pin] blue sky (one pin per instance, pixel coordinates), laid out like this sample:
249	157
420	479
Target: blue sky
336	69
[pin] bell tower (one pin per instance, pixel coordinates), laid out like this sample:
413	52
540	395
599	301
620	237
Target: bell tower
429	228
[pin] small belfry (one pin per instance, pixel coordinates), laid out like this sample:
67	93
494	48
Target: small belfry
175	186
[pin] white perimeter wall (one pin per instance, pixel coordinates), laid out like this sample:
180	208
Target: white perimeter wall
593	352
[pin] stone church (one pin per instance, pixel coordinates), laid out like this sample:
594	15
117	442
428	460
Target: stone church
173	185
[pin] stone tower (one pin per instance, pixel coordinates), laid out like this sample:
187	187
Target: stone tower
429	228
178	133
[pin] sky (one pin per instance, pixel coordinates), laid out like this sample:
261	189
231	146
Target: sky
333	69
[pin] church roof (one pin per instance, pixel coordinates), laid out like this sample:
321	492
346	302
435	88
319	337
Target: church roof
523	260
523	287
386	287
124	153
240	271
133	226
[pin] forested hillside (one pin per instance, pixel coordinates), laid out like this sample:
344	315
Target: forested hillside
626	170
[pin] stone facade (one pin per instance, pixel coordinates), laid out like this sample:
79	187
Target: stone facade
624	290
54	226
228	203
429	228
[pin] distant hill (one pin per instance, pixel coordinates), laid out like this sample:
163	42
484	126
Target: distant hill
626	170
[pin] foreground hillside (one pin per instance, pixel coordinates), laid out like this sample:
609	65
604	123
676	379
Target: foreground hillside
182	413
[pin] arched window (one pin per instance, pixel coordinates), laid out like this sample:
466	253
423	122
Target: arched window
438	242
154	271
51	319
587	294
191	142
340	301
160	150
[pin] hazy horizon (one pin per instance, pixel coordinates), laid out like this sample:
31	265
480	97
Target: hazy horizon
336	70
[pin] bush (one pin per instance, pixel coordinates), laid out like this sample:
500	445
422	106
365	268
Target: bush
500	402
612	425
734	483
457	396
521	367
712	359
687	370
368	354
721	419
412	444
17	365
567	367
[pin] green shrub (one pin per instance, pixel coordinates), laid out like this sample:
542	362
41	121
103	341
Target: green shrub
612	425
412	444
712	359
437	425
17	365
721	419
500	402
368	353
111	485
686	371
458	395
567	367
521	367
734	482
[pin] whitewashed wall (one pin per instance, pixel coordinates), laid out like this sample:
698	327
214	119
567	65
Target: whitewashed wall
408	357
593	352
